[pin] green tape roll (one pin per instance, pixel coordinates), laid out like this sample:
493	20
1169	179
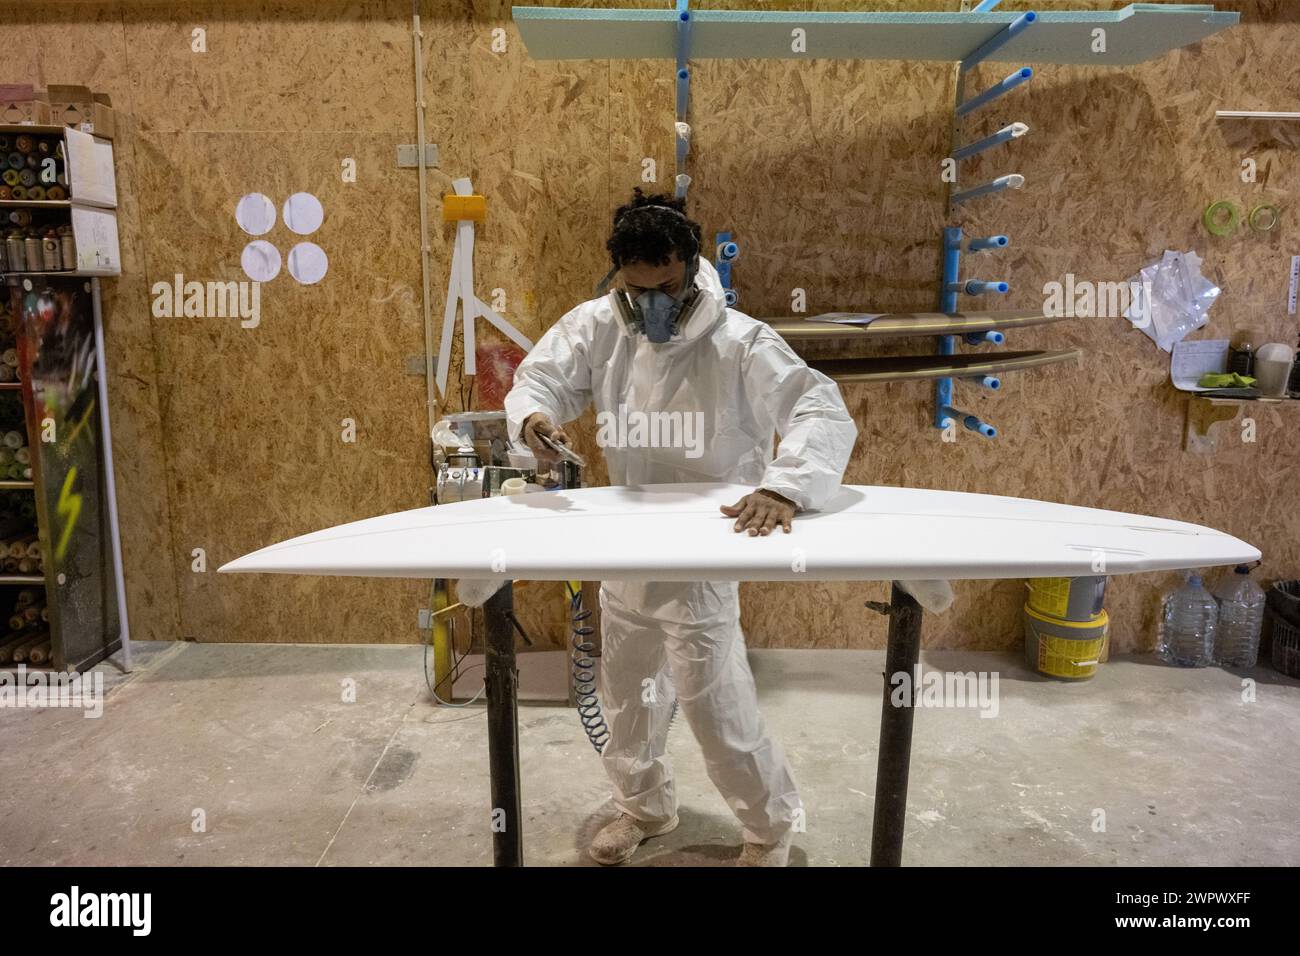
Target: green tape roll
1211	218
1266	212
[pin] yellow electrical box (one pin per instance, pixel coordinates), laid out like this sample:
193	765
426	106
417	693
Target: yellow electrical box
456	208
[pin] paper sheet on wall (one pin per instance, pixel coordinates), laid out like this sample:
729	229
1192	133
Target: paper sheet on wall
90	170
1190	360
95	233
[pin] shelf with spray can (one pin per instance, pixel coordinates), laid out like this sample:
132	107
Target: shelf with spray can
57	203
61	588
24	632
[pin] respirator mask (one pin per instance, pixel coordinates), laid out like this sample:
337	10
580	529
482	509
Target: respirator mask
653	313
657	314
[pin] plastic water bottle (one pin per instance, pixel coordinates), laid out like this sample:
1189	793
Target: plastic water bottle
1241	616
1188	625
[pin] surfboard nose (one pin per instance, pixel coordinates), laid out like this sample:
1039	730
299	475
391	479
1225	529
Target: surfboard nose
248	562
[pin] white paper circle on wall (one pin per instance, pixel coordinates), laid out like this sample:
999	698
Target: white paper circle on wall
255	214
261	261
303	213
308	263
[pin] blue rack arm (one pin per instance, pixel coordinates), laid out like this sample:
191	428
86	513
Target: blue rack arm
1006	133
1010	181
976	287
1000	39
1000	88
970	422
988	242
726	251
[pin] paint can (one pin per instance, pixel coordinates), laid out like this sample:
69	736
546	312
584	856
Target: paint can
1066	650
1069	599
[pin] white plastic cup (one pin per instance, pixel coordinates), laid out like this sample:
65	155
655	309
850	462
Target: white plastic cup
1273	368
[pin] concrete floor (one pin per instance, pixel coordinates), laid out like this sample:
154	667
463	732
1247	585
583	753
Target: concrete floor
259	739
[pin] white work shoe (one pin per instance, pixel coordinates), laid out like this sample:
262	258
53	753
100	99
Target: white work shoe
767	854
618	839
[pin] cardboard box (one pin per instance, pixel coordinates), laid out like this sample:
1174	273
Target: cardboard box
23	105
78	107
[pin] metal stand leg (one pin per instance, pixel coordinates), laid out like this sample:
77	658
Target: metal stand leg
895	728
502	680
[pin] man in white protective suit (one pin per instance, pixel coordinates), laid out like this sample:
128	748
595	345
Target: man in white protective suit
664	341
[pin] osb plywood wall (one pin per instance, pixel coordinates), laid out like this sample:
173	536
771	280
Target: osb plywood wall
828	172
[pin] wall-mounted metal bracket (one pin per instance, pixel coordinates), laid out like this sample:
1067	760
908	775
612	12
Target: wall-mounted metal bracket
408	156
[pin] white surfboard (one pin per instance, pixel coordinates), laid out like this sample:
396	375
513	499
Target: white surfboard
676	533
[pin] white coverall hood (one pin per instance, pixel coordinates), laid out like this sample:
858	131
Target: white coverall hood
703	406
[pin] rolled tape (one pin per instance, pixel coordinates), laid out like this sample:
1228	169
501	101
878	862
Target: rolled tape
1214	224
1263	217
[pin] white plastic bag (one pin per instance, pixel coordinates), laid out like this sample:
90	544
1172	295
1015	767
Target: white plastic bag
1171	298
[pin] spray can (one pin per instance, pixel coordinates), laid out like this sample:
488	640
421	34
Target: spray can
51	253
32	254
68	248
17	254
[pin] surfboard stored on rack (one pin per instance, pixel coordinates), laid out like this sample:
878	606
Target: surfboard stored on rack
901	368
676	533
867	325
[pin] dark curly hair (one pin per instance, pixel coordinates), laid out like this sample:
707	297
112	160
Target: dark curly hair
644	233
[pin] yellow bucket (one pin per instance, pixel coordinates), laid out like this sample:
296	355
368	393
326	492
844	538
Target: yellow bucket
1067	599
1069	650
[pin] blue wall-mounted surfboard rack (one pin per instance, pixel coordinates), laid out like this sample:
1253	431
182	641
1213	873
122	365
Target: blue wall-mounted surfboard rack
1135	33
951	284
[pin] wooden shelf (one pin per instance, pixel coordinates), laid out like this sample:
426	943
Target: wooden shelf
61	272
1206	411
35	203
16	485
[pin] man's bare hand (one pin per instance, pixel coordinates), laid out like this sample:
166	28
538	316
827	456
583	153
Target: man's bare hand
761	511
538	424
